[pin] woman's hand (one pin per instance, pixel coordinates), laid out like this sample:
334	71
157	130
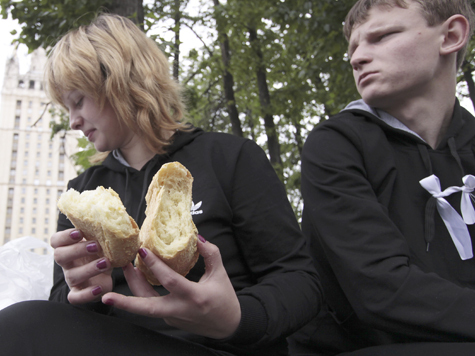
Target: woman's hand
209	308
87	275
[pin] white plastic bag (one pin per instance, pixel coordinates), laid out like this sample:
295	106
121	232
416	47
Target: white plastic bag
24	274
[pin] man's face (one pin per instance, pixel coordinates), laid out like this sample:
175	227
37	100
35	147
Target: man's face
394	55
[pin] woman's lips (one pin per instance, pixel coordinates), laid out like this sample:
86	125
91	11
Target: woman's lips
89	134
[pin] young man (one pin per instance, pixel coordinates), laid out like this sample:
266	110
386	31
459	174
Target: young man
392	244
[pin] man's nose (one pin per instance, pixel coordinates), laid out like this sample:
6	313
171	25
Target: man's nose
359	58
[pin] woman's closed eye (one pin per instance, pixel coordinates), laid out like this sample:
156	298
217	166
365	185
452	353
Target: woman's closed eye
79	103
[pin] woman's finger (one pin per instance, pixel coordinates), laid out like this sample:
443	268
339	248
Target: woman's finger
78	275
212	258
85	295
66	256
66	238
143	306
171	280
137	282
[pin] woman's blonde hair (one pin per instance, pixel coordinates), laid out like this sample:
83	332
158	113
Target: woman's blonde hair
112	60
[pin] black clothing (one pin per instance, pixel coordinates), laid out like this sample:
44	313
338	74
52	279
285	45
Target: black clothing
240	206
390	269
73	331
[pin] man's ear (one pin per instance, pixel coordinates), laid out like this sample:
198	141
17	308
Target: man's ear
456	31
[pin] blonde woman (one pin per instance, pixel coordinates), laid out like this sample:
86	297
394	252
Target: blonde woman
254	284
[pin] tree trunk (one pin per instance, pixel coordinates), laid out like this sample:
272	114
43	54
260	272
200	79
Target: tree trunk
467	69
176	49
228	79
265	102
132	9
298	134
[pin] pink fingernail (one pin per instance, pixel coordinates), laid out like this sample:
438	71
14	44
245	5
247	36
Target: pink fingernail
75	235
101	264
97	290
91	247
201	238
143	252
108	302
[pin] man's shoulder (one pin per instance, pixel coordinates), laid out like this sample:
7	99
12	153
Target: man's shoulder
353	129
352	120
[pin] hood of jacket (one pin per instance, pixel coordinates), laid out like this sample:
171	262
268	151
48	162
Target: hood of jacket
136	182
461	127
459	137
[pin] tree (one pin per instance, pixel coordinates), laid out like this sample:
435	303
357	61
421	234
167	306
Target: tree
266	70
467	69
228	79
44	22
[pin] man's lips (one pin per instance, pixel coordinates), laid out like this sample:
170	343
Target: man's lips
363	76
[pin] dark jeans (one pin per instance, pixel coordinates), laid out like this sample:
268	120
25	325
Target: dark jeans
47	328
417	349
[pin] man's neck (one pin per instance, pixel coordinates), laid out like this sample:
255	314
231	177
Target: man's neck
429	118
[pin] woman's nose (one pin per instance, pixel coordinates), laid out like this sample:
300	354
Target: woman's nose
75	120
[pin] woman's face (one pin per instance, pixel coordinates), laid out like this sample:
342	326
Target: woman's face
101	127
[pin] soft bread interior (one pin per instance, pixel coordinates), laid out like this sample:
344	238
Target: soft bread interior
168	229
101	216
104	205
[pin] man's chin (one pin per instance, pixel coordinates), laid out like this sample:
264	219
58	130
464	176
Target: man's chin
377	101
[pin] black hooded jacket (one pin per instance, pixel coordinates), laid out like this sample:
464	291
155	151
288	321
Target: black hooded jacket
390	270
239	205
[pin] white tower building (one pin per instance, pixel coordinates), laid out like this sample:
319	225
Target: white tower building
35	168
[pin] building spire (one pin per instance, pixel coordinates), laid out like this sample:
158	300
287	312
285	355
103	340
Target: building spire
12	71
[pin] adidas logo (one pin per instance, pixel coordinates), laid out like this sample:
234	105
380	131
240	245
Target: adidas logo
195	208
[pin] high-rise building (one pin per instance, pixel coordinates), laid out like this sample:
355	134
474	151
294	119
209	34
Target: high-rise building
35	168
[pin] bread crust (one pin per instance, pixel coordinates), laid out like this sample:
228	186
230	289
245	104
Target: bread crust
120	245
168	229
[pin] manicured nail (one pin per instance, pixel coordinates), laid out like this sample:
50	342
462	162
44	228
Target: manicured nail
101	264
75	235
97	290
143	252
91	247
202	239
108	302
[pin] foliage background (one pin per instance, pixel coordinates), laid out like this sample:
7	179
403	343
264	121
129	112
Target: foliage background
268	70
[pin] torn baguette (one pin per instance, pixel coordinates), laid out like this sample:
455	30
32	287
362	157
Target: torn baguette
168	229
101	216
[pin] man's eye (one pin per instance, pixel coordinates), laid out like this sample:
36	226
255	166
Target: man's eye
386	35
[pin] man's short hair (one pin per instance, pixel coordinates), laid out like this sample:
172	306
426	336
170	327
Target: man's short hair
434	11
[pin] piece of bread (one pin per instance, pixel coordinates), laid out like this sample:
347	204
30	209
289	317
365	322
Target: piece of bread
101	216
168	229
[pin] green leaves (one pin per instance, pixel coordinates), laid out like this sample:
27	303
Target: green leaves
43	22
297	50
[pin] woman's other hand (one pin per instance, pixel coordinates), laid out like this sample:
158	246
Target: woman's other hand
209	307
86	273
